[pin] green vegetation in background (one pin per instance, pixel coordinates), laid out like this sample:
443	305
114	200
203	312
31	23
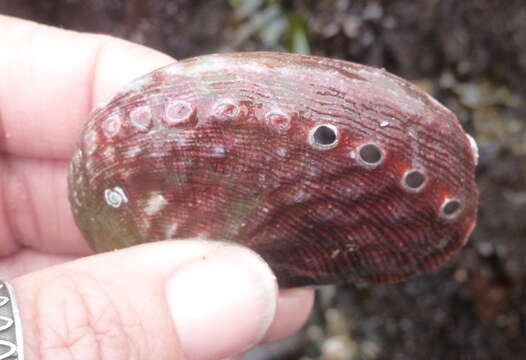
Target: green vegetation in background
270	23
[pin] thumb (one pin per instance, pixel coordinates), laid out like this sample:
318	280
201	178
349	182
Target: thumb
166	300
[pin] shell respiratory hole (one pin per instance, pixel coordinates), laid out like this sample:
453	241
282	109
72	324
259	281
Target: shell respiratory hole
332	171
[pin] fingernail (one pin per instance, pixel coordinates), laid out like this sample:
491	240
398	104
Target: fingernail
222	303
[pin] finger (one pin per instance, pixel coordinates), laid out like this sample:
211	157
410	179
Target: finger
292	304
166	300
52	78
34	208
26	261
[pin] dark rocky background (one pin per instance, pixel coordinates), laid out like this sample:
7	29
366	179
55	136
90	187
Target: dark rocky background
471	55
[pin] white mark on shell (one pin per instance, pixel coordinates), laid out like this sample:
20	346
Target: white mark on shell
301	196
335	253
90	142
170	231
351	247
474	148
226	110
80	179
77	157
141	118
314	172
156	203
179	113
109	153
278	121
212	63
133	151
115	197
77	202
384	123
181	139
138	85
111	125
91	165
173	69
282	152
218	151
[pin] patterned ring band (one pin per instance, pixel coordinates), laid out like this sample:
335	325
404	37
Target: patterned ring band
11	345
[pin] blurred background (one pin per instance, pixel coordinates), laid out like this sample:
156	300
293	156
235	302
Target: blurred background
471	55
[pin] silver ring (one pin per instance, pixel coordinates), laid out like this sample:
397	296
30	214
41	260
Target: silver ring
11	344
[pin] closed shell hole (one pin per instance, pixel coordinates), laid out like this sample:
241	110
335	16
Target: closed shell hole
278	121
226	110
370	154
324	136
178	112
111	125
141	118
450	208
414	180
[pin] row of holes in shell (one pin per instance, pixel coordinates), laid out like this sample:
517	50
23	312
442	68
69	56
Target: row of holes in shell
176	114
325	137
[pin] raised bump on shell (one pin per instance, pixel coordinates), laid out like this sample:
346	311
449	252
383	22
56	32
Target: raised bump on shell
178	113
115	197
226	110
278	121
111	125
141	118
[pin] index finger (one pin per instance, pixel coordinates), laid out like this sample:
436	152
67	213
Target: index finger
52	78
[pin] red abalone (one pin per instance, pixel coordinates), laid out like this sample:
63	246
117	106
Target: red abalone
332	171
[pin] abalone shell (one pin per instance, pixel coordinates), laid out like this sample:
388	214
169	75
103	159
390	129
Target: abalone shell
332	171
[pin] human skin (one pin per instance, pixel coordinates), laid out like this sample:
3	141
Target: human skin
169	300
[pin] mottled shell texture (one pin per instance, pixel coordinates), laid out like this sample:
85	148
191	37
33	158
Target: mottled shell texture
332	171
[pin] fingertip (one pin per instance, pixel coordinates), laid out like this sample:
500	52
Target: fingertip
203	299
119	62
293	311
52	78
234	294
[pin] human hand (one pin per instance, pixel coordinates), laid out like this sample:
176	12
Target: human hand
168	300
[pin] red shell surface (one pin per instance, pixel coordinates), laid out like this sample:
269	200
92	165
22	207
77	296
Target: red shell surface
332	171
